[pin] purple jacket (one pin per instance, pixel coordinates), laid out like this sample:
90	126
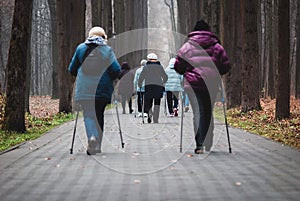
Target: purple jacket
202	60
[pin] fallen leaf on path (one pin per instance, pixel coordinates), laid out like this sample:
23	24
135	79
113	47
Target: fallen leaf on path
238	183
136	181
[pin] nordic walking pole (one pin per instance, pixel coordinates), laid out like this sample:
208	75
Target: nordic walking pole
143	110
181	123
225	117
72	145
135	108
119	124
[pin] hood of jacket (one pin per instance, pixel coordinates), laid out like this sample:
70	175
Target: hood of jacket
95	40
203	38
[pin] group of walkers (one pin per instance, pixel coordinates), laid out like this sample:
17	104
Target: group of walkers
197	67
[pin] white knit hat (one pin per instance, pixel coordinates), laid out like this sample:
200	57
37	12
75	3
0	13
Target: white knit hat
152	56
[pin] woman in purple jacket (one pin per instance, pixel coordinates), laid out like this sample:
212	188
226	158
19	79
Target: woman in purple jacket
202	60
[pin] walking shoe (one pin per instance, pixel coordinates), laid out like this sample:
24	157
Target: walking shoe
175	112
186	109
131	111
199	150
171	115
149	118
92	144
140	114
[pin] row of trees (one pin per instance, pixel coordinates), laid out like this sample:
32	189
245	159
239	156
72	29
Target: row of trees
258	45
260	38
68	27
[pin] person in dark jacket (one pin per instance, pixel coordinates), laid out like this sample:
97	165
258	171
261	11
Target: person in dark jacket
202	60
94	73
155	78
125	86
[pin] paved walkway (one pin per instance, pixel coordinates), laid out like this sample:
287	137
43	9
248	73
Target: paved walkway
150	167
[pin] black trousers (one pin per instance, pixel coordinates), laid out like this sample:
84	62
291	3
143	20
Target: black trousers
202	105
148	108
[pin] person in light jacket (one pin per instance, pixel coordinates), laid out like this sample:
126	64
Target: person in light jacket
202	59
173	87
95	66
139	90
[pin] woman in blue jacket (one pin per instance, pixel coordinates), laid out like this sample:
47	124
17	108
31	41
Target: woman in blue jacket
95	66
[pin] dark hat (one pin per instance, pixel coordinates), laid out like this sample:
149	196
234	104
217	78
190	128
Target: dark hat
125	65
201	25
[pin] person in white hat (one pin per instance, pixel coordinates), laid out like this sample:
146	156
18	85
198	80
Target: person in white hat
155	77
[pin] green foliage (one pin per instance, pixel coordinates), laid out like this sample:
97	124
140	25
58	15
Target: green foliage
35	128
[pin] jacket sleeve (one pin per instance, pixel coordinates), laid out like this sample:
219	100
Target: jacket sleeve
75	63
135	80
180	65
224	65
141	78
114	67
164	75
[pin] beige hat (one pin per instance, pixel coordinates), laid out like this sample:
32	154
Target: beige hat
97	31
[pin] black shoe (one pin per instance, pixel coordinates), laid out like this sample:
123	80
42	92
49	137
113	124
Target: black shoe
149	118
199	150
131	111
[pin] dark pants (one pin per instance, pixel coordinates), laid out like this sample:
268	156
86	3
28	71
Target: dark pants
172	97
202	110
140	101
148	108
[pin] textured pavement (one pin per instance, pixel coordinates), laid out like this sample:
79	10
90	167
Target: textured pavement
150	167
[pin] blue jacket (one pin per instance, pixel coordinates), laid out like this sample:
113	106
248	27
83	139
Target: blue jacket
94	78
175	80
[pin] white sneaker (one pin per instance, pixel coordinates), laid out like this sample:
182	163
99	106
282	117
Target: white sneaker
91	150
140	114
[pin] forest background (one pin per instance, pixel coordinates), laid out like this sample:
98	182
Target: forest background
261	37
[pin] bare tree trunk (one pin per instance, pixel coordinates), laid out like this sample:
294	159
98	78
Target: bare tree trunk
297	71
14	118
70	34
96	12
28	68
293	45
54	48
232	43
283	70
250	67
6	12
